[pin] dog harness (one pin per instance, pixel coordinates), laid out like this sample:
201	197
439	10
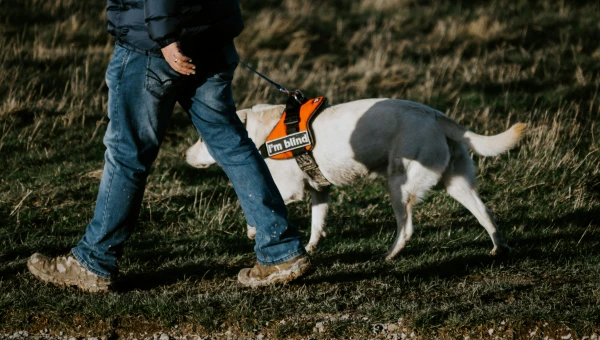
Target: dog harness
293	137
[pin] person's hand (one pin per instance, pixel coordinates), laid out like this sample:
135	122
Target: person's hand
178	61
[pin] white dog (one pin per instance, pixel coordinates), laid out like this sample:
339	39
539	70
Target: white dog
413	145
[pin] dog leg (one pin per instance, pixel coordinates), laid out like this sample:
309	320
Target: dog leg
459	181
251	232
319	207
402	210
461	191
405	191
404	230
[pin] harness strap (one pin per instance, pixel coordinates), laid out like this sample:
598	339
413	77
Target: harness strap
263	151
308	165
292	115
292	118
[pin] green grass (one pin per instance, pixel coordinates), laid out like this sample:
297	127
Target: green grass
486	64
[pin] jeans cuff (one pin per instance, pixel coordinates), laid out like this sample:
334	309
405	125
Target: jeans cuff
87	266
286	258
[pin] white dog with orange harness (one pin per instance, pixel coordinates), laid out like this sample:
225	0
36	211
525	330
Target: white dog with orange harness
414	146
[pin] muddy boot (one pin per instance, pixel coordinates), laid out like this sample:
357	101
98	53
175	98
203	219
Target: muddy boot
285	272
66	271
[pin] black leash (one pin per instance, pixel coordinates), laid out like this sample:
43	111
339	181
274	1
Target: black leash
296	94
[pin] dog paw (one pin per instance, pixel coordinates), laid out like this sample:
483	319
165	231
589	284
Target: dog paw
384	257
311	248
251	232
502	249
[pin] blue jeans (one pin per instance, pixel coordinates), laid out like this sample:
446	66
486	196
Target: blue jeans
143	91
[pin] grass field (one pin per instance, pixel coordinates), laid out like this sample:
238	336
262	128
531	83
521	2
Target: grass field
487	64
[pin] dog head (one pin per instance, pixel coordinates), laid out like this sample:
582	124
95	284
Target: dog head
259	121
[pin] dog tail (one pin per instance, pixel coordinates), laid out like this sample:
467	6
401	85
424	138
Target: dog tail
483	145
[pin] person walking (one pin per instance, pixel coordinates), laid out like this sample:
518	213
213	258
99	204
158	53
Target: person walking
170	51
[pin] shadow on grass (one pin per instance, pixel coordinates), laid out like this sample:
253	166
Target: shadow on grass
456	268
580	217
169	276
533	247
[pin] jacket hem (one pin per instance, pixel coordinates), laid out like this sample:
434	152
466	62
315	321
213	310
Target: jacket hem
134	48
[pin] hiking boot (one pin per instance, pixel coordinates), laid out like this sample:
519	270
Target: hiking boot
66	271
285	272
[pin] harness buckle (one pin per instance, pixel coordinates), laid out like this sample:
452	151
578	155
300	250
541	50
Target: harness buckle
291	120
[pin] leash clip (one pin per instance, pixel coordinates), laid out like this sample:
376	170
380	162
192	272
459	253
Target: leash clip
298	95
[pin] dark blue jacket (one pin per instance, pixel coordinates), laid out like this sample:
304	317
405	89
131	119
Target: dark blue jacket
148	25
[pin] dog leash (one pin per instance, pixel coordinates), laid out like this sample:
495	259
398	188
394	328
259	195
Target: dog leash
296	94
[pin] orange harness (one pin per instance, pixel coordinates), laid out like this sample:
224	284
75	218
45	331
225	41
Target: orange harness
285	142
292	137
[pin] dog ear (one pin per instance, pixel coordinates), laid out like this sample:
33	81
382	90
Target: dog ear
267	112
243	114
261	119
